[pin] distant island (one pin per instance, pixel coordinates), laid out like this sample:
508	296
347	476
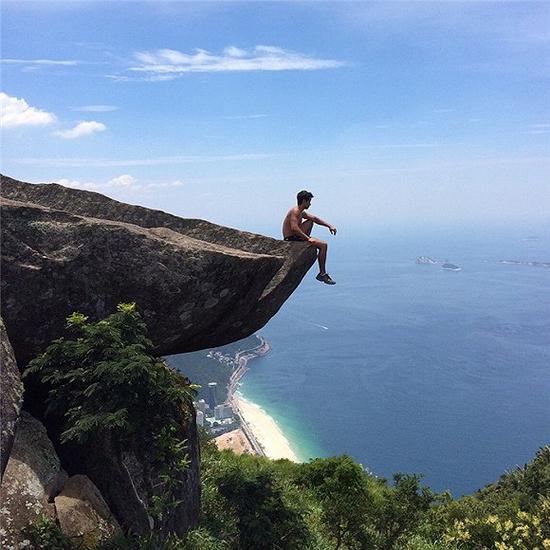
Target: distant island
531	264
447	266
425	260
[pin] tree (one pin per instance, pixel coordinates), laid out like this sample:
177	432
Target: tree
104	379
403	508
342	488
268	510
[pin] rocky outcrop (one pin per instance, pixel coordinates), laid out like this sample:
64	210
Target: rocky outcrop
35	485
82	514
197	284
124	474
11	397
32	478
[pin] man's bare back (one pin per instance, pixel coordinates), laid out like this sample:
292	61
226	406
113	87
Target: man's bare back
296	229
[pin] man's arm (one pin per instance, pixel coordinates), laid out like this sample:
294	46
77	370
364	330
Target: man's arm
319	221
295	226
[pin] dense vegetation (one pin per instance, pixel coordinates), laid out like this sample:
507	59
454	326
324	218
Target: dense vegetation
105	383
251	502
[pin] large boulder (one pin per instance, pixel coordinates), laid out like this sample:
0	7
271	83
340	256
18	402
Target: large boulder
197	284
11	397
32	478
82	514
125	475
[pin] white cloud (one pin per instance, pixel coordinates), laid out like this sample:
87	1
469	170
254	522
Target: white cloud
83	128
401	146
176	183
122	181
243	117
96	108
118	78
232	51
159	161
40	62
166	64
17	112
125	180
88	185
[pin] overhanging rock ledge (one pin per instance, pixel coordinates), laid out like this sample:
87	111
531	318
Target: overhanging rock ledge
197	284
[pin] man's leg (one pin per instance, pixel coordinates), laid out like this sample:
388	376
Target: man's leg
323	276
321	246
322	257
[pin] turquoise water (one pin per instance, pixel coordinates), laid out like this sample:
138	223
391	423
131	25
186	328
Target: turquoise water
408	368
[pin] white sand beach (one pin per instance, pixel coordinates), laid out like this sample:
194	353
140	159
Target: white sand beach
265	430
235	440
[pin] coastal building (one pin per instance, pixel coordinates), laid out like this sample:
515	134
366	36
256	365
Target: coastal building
201	405
212	387
223	411
200	418
217	427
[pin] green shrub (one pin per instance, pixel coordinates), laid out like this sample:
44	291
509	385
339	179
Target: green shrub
105	379
45	534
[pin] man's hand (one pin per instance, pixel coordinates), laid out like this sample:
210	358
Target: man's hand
332	229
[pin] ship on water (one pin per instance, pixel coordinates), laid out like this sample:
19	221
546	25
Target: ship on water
447	266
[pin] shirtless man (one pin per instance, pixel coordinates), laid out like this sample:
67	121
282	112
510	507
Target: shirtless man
294	229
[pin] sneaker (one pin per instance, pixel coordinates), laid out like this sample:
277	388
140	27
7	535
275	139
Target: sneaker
325	278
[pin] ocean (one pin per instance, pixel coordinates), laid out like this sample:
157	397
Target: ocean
410	368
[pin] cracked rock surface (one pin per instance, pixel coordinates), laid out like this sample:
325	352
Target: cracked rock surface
83	515
11	397
197	284
32	478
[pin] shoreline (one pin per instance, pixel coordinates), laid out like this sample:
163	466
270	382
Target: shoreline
266	434
262	432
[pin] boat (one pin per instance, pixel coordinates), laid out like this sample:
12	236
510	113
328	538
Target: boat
450	267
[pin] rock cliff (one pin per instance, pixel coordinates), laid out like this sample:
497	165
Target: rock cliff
11	397
35	485
197	284
32	478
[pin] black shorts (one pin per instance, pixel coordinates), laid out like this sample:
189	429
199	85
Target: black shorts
294	238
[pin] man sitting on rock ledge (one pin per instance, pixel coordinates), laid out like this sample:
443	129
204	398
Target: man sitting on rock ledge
295	229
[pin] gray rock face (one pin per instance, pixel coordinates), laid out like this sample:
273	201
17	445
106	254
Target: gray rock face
11	397
123	475
32	478
197	284
83	515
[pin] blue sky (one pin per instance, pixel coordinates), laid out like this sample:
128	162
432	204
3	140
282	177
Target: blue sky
391	113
